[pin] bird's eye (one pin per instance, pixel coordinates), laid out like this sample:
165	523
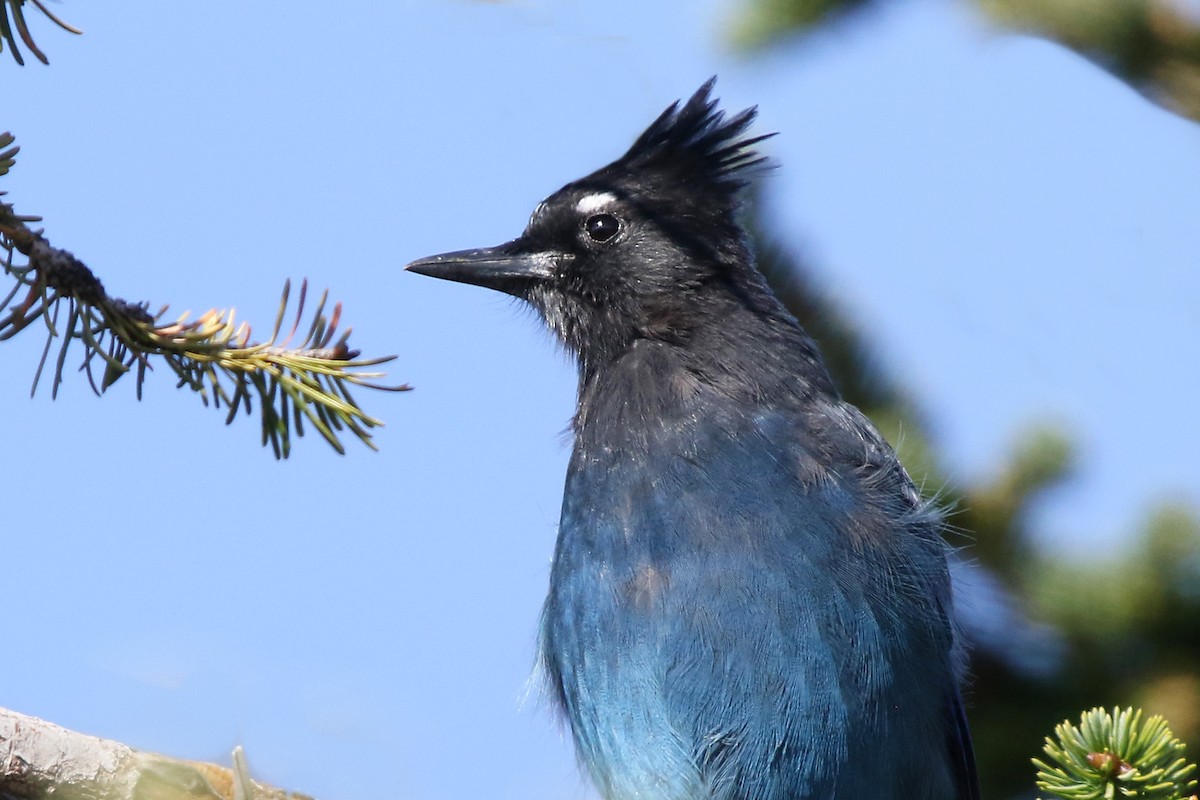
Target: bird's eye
602	227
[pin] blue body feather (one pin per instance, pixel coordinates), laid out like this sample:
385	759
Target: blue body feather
734	616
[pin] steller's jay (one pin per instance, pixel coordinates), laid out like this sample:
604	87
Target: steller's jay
749	599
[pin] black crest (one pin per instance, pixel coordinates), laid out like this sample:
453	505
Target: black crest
693	147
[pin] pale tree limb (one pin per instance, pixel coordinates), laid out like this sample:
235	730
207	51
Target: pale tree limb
39	759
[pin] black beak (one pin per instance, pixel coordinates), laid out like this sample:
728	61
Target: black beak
509	268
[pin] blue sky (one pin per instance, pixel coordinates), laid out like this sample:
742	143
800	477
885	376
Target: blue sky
1013	229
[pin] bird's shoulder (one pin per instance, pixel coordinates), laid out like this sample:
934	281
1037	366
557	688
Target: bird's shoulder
658	425
662	402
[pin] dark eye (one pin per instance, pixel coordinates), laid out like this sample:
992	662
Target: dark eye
602	227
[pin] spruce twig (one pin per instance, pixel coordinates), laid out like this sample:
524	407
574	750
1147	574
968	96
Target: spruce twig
305	382
1110	755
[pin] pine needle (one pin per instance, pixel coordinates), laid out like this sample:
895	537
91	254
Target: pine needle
12	16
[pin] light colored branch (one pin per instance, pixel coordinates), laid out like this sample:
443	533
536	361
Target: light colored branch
40	759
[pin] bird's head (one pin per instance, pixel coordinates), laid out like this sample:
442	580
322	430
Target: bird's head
634	249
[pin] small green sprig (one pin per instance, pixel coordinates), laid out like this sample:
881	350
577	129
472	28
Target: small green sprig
13	16
1111	755
294	382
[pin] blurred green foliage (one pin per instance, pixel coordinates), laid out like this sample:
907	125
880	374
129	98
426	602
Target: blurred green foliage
1052	633
763	21
1154	45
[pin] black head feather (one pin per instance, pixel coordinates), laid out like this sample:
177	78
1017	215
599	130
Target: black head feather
692	151
646	248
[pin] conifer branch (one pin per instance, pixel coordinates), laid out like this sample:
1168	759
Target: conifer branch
306	382
1113	755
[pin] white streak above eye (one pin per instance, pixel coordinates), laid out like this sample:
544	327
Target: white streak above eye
591	203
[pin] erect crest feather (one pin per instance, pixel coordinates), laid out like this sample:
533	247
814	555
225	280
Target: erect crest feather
696	142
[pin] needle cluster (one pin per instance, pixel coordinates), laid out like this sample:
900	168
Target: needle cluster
296	379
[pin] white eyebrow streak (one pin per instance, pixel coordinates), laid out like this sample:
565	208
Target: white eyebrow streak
590	203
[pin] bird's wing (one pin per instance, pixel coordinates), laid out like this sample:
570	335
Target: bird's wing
962	753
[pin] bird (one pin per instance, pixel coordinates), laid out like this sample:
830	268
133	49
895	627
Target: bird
749	597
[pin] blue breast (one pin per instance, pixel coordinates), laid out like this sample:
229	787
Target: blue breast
730	617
